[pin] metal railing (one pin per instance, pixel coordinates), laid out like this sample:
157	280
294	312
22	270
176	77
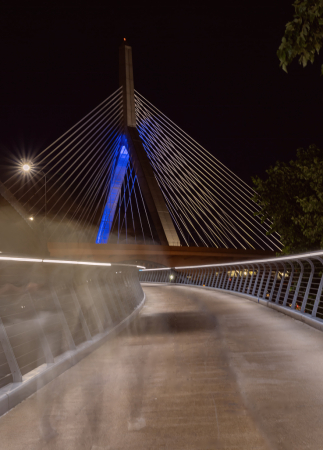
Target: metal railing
294	282
48	308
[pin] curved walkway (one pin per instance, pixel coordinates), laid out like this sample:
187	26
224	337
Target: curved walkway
198	370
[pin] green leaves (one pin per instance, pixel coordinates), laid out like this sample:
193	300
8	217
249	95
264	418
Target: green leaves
303	36
292	198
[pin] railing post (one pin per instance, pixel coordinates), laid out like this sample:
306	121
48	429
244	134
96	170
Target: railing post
245	283
233	278
281	284
252	276
164	276
195	278
262	280
179	277
308	286
208	272
268	281
219	278
228	280
168	274
274	283
10	356
298	284
214	278
202	276
291	275
237	279
319	291
161	274
205	276
241	279
256	280
191	276
183	276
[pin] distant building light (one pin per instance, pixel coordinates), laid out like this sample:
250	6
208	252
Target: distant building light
31	218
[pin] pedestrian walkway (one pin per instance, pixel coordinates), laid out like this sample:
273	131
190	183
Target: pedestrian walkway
199	369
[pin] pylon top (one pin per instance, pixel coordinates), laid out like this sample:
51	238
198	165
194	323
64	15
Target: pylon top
126	81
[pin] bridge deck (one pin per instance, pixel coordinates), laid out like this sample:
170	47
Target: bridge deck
199	370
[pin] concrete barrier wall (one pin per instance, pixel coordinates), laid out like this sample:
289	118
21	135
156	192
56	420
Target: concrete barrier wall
52	315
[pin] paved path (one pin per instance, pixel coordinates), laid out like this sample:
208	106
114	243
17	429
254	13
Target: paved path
198	370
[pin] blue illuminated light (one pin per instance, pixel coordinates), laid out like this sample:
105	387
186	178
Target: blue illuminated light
120	168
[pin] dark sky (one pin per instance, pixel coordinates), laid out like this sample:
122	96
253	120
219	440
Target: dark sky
212	69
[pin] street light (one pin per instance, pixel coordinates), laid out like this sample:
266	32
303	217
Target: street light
29	167
26	167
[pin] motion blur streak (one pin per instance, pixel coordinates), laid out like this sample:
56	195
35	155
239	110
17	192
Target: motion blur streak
197	370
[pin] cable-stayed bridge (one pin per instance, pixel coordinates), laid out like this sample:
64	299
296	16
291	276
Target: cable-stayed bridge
126	174
186	356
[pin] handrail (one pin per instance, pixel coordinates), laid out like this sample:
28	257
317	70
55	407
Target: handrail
294	281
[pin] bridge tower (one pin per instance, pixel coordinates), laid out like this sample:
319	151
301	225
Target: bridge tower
132	147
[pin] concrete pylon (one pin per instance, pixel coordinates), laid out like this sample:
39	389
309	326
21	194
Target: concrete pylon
148	184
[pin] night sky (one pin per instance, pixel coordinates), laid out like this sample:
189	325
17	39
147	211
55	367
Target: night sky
212	70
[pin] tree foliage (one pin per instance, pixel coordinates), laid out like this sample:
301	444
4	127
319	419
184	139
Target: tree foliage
292	198
303	35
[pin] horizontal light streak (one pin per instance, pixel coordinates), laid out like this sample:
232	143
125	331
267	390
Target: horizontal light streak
5	258
63	261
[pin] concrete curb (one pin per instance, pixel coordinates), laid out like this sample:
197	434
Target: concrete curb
15	393
302	317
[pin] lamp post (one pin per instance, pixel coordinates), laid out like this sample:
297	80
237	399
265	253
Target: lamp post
28	168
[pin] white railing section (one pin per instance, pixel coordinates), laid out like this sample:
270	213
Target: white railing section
294	282
49	308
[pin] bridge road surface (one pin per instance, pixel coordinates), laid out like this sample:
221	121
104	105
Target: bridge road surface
198	370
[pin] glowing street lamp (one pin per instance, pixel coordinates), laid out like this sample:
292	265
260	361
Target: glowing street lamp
28	167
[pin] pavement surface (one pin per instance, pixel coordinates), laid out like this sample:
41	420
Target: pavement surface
197	370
